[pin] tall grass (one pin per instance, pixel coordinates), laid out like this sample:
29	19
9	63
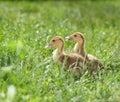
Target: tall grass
26	27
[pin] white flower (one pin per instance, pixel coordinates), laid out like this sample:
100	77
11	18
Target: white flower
11	93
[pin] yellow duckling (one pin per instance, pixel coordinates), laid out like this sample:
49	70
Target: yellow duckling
72	60
80	49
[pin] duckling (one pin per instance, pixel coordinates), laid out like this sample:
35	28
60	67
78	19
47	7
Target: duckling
80	49
72	60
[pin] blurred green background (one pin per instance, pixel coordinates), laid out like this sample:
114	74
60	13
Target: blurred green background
26	27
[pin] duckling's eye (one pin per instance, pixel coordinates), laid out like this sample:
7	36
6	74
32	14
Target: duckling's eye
75	35
53	40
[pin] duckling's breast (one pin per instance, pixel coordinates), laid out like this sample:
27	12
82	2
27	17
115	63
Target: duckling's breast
55	55
77	48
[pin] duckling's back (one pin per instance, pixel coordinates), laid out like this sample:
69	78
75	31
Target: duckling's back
72	60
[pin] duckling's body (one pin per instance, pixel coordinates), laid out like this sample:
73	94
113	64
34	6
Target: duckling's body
80	49
72	60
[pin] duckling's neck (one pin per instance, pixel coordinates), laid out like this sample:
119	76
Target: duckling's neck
58	52
80	48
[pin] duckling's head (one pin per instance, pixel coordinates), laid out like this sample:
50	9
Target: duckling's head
77	37
56	42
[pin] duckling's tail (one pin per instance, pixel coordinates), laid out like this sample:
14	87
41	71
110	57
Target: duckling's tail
101	66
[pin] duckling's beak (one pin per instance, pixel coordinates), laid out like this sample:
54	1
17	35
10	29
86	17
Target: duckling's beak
48	46
69	37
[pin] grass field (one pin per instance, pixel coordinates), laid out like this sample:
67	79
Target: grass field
27	71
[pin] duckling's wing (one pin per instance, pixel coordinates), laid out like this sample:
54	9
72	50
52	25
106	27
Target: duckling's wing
91	57
96	62
74	60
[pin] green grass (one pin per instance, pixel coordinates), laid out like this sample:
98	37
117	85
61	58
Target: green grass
25	29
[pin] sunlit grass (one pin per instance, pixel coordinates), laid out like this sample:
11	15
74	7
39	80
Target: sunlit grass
25	29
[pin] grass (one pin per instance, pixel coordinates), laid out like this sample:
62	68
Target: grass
26	27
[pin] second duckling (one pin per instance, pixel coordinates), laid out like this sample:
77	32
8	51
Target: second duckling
80	49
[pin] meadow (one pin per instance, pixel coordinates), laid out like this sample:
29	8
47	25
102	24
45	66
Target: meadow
27	70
